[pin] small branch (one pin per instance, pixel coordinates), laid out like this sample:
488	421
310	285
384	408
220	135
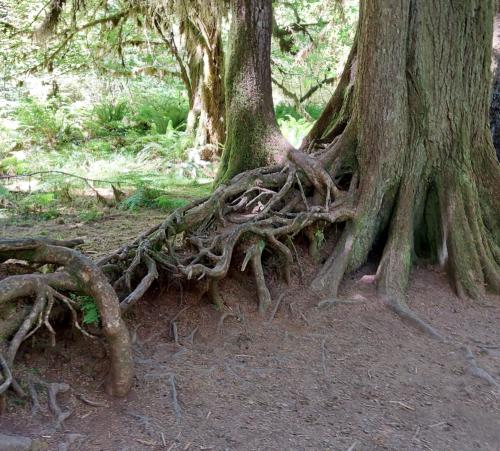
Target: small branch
331	302
311	91
175	402
323	358
276	307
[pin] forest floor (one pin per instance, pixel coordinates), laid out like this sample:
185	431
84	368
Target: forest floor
347	377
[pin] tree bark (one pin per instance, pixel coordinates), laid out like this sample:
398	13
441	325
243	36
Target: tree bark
212	93
423	151
495	85
253	137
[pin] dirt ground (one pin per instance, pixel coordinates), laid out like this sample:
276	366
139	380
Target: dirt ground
344	377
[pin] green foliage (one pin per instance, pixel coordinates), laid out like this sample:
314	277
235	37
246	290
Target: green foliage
167	202
285	111
91	215
314	110
110	112
294	129
89	308
12	165
145	197
142	198
45	123
319	237
41	205
160	114
107	117
5	197
170	146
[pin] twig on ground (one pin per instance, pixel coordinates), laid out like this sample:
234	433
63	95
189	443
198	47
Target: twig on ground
175	402
402	404
323	357
179	313
91	402
276	307
490	352
328	302
190	337
175	333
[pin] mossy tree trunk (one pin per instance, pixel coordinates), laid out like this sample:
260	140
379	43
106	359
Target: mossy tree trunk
205	71
495	85
253	138
418	141
212	93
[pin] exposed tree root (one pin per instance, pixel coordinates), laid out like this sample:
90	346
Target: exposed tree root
75	273
6	375
476	370
53	389
258	209
258	212
407	315
175	401
224	316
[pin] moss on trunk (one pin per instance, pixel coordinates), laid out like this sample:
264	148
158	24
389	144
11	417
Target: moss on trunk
253	137
423	153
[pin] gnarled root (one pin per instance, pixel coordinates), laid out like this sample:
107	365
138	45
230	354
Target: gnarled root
78	274
263	206
407	315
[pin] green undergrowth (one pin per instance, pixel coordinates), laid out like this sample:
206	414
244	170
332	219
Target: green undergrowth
135	143
69	205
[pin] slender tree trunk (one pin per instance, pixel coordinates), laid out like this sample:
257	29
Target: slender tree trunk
418	141
212	93
195	74
253	138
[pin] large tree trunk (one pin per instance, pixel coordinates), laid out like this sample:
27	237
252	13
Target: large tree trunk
253	137
419	143
495	85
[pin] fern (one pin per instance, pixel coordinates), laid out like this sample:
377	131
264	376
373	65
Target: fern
89	309
168	203
141	198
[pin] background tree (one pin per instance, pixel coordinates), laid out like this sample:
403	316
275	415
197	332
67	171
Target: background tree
253	136
200	25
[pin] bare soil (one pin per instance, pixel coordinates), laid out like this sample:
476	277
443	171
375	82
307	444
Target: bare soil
344	377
